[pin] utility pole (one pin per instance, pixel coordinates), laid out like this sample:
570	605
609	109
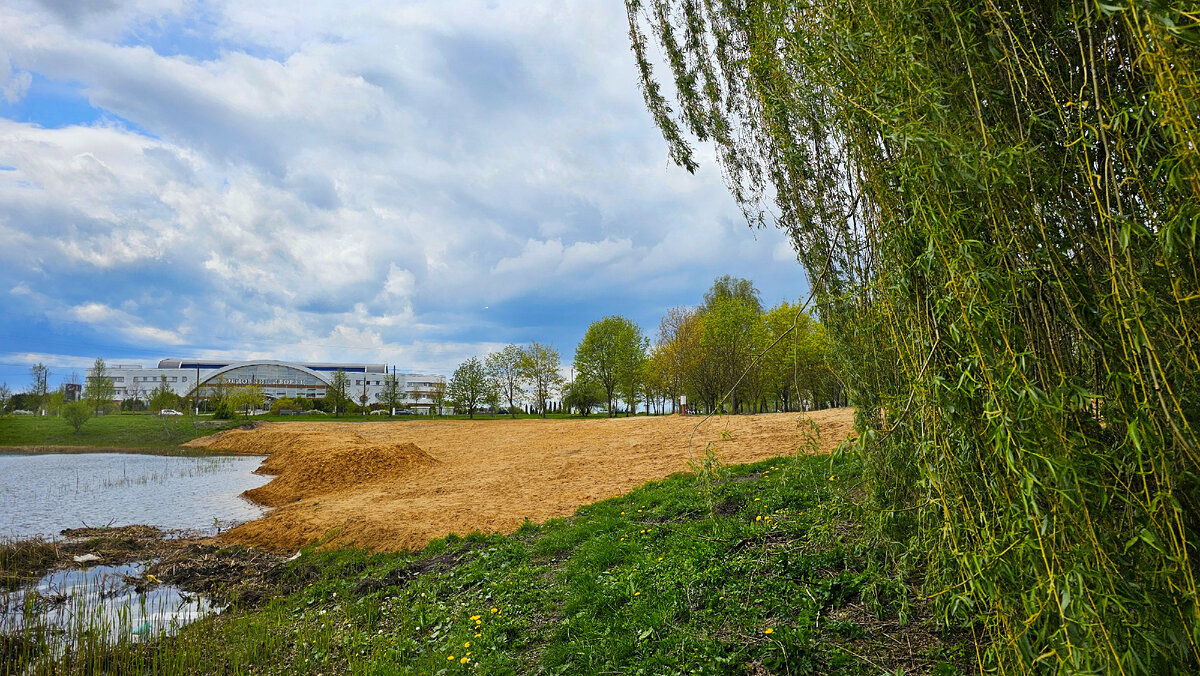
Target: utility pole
364	394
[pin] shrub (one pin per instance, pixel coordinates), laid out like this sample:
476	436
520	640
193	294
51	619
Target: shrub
77	413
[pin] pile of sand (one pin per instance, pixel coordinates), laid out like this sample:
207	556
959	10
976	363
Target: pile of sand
372	485
311	462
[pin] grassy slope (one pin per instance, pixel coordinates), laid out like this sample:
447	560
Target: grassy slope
763	570
139	431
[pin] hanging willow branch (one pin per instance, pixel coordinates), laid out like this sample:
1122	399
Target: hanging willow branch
1008	195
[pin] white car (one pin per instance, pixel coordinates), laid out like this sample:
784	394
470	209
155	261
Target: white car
169	411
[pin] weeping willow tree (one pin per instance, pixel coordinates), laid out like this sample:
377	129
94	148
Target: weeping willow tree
1010	192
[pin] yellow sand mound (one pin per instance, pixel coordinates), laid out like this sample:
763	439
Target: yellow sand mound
371	484
308	462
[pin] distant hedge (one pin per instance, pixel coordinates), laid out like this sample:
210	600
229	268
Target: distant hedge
997	203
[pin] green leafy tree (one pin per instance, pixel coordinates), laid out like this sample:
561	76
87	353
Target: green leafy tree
504	368
678	351
338	392
733	334
633	370
248	397
727	286
469	386
540	368
609	354
98	389
77	413
583	395
163	397
220	397
5	397
56	400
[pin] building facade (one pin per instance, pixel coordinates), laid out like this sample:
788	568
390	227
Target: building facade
278	380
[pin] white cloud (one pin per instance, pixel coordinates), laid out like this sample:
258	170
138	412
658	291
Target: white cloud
121	322
320	182
399	282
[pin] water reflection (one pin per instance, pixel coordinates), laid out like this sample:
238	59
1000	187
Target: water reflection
44	494
110	602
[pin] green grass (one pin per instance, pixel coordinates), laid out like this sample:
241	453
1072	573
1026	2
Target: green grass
760	569
136	431
146	432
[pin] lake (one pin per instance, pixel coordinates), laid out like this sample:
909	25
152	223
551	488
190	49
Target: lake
44	494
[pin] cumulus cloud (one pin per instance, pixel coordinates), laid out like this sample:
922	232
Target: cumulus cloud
324	182
121	322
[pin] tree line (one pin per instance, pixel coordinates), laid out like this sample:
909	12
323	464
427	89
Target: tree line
727	355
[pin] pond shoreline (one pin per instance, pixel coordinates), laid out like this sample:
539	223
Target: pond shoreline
195	564
171	451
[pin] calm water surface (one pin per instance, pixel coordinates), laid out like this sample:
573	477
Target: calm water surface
44	494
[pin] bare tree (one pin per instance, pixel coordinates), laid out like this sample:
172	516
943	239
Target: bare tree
41	378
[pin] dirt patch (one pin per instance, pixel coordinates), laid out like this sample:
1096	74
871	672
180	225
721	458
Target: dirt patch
309	462
395	486
196	565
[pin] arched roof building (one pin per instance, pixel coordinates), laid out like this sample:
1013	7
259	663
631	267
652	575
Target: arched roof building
278	379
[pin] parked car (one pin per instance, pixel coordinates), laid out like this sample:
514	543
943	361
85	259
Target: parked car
406	411
379	411
169	411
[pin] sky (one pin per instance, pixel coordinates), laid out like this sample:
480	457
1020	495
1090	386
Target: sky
406	183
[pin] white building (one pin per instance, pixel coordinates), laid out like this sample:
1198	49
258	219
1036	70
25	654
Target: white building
278	379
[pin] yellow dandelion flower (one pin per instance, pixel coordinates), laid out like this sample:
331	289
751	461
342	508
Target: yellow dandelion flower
757	499
467	644
832	478
478	635
758	518
722	598
622	513
768	630
660	558
495	610
637	593
476	617
450	658
639	511
464	660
